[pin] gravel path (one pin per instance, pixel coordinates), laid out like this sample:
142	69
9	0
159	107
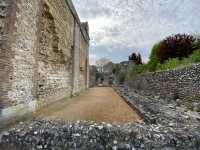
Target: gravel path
100	104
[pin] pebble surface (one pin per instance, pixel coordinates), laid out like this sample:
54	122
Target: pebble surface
57	135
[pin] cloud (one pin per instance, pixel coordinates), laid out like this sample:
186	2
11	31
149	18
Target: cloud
119	27
93	59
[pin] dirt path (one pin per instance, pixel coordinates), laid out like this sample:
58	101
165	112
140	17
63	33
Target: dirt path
98	104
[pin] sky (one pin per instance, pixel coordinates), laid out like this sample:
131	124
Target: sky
121	27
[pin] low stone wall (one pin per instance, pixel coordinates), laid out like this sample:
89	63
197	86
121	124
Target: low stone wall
181	85
155	110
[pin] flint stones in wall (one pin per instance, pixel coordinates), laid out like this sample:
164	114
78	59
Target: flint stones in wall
182	84
37	59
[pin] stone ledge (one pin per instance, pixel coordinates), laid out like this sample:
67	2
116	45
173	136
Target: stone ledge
84	32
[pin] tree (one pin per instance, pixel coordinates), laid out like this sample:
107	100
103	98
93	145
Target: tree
136	58
153	61
175	46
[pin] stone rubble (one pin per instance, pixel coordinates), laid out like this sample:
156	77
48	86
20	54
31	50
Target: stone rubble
156	110
56	135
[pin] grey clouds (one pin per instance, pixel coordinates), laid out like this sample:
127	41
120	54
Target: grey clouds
120	27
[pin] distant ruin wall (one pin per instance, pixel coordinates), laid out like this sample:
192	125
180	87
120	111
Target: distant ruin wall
76	59
93	76
182	84
43	48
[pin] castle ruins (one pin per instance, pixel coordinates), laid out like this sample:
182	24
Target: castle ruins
43	54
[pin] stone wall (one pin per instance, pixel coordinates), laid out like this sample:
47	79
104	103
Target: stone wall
93	74
181	85
108	74
83	84
55	51
5	52
76	61
43	48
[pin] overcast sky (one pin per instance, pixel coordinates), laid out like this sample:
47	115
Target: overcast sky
120	27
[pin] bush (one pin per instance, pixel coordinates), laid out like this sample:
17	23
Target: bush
195	57
134	70
116	69
169	64
196	44
122	77
177	46
153	61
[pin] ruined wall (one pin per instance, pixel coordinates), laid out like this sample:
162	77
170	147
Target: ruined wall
18	44
5	52
83	64
93	74
181	85
24	49
41	43
76	60
55	51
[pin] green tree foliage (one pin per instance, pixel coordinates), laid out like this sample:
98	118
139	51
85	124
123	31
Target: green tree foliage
122	77
153	61
136	69
195	57
178	50
116	69
169	64
136	58
196	44
119	73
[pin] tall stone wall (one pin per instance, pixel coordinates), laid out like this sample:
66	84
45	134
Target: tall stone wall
24	48
5	52
93	76
181	85
83	84
17	56
55	51
43	46
76	61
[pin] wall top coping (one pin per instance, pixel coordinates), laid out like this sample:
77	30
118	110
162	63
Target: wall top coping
84	27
